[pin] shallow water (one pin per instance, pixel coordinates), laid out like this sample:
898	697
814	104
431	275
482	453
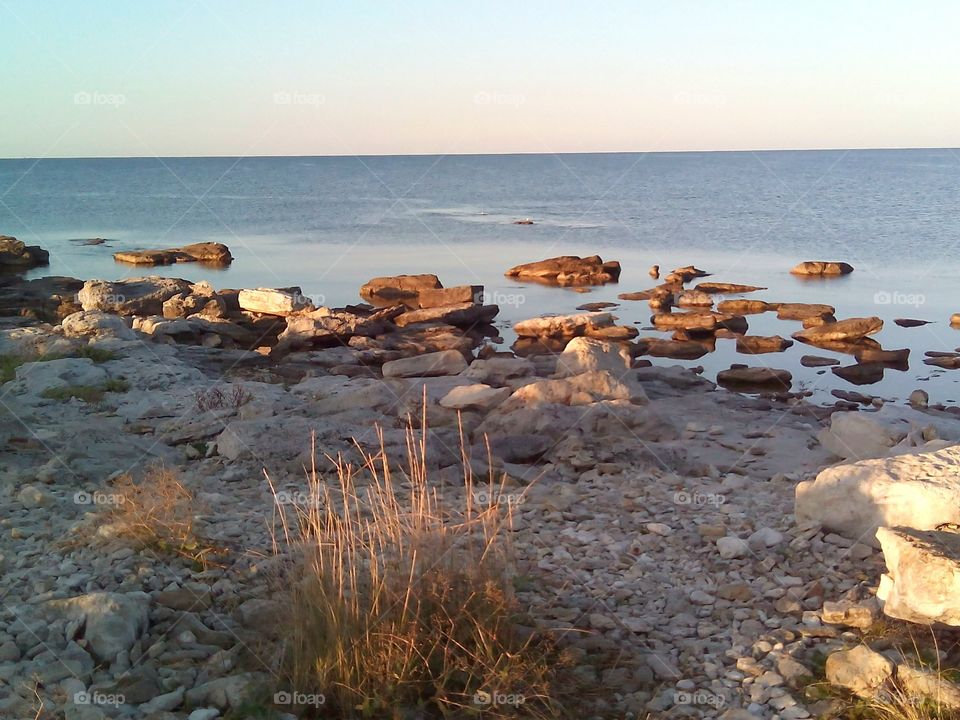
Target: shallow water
329	224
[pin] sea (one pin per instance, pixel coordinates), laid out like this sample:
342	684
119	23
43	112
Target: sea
328	224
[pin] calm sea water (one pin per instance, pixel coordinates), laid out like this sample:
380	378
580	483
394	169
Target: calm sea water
329	224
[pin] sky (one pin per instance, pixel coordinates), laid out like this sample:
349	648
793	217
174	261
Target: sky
290	77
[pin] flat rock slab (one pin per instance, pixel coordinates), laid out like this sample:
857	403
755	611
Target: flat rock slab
445	362
727	288
755	376
818	361
209	252
910	323
842	330
399	286
758	344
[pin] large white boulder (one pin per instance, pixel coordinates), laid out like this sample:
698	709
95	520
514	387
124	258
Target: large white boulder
919	490
584	354
922	582
582	389
858	436
269	301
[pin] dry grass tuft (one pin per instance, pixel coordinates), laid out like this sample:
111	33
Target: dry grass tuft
158	512
400	605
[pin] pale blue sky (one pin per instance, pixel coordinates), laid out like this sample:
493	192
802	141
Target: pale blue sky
212	77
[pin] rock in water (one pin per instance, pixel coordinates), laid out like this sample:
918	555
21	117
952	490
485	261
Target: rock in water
822	267
922	582
849	329
756	376
568	270
918	490
14	253
757	344
206	252
801	311
394	287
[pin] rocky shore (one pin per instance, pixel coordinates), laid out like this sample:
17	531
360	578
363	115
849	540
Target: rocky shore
698	551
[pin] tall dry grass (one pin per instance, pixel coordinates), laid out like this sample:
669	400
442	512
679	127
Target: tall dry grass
399	603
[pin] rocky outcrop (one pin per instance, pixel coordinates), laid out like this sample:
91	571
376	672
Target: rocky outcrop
136	296
15	254
802	311
726	288
822	267
47	298
745	307
922	582
917	490
856	436
458	295
463	315
206	252
567	270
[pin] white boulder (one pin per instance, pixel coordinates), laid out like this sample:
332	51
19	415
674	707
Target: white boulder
922	582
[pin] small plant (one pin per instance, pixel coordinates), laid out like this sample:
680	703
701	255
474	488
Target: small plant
86	393
158	512
9	365
399	606
216	399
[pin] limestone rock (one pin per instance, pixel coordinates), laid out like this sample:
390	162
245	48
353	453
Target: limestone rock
270	301
136	296
860	670
111	622
14	253
849	329
474	397
445	362
462	315
94	323
857	436
586	354
919	490
393	287
757	344
205	252
922	582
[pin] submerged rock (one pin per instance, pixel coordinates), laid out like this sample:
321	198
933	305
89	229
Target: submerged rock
755	376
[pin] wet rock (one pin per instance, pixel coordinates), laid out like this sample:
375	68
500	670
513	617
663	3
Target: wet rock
818	361
861	373
685	321
890	357
910	323
918	490
597	306
922	582
568	270
800	311
694	298
685	274
206	252
570	326
757	344
919	399
849	329
745	307
727	288
674	349
754	376
821	267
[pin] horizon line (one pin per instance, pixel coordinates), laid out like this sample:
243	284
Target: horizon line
485	154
